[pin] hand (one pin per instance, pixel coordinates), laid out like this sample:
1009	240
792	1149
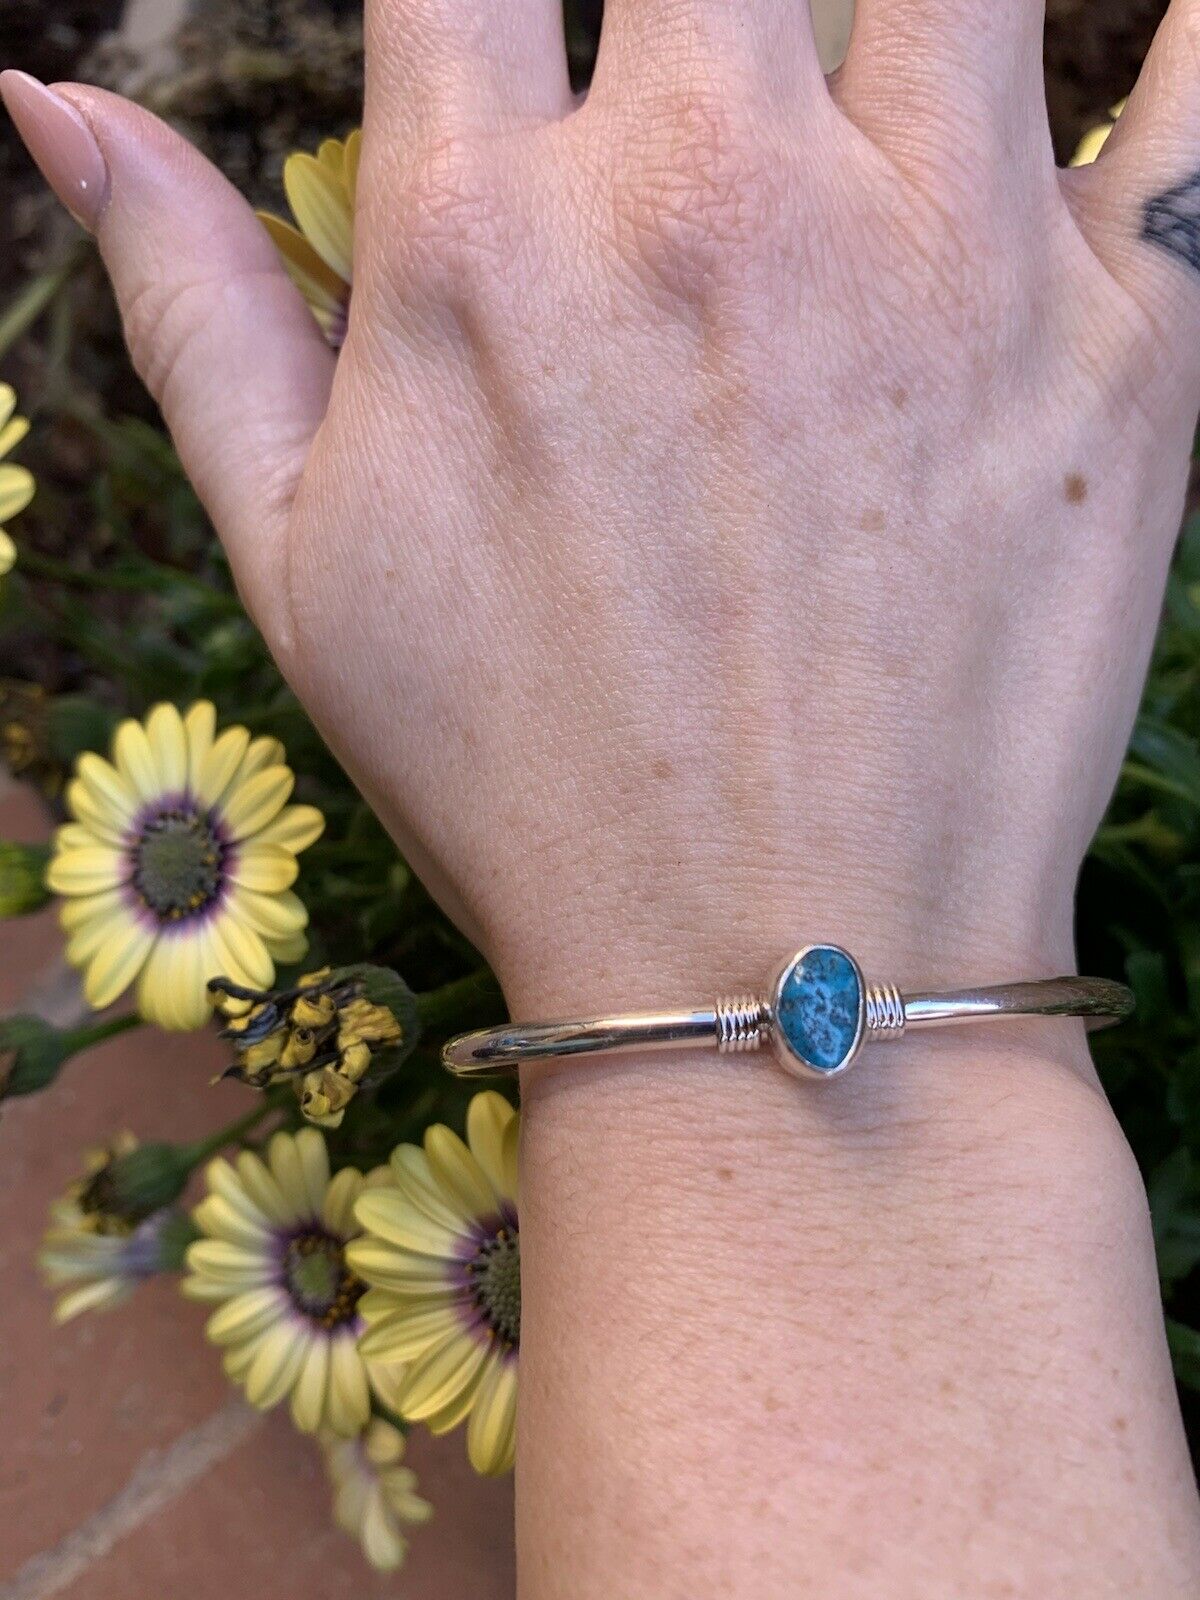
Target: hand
741	508
739	514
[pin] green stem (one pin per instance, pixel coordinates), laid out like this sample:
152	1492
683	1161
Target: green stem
204	1148
465	1000
44	566
96	1032
21	313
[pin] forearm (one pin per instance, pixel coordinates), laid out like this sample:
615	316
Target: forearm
898	1335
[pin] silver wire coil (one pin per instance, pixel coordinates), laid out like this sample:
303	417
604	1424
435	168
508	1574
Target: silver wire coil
885	1011
740	1020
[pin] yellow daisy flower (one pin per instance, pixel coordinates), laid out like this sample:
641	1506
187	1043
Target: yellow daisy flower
274	1253
1096	138
442	1254
16	483
319	254
374	1496
88	1244
178	865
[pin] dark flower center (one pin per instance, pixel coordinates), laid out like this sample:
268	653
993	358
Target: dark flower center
177	863
321	1285
495	1277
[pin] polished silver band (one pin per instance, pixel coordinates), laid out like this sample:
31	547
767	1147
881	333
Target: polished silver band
818	1014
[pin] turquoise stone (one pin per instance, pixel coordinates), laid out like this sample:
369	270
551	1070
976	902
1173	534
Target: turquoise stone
819	1007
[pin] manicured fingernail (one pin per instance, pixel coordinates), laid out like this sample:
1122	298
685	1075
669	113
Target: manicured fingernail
61	143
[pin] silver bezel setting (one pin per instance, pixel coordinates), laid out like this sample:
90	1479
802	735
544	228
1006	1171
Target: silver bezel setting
791	1060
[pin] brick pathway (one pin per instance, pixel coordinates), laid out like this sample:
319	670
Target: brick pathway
129	1464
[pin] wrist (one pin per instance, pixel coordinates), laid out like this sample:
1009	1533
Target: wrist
629	947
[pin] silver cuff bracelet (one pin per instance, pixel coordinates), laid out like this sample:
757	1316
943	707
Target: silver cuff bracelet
818	1013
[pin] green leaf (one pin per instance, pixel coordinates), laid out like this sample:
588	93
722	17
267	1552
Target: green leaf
32	1052
147	1179
23	878
75	724
1170	752
1184	1345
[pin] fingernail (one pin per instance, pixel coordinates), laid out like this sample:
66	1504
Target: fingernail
61	143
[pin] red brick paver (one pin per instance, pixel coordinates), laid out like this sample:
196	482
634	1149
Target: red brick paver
129	1464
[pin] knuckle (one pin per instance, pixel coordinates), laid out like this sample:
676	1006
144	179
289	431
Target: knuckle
160	321
450	220
693	200
166	319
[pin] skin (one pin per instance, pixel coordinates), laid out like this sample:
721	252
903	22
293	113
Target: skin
739	516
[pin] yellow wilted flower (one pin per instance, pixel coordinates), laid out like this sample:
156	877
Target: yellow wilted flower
318	1036
1096	138
99	1243
319	253
179	863
16	483
374	1494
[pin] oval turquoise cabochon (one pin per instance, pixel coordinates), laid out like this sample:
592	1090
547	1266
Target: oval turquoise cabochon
819	1007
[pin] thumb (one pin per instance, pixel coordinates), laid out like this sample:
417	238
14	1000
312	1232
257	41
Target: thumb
216	329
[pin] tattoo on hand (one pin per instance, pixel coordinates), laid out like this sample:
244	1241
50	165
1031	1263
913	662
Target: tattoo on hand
1172	221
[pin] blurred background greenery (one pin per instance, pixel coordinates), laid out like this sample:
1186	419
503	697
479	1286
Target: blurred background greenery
122	597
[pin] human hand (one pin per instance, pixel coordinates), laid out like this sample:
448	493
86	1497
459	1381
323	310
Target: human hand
741	506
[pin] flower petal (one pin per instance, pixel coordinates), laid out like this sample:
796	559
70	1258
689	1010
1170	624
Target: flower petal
96	819
110	793
275	916
488	1118
246	1315
314	1165
312	1387
277	1364
172	989
117	962
413	1178
321	206
11	434
250	805
457	1172
199	731
237	952
87	871
223	1181
168	744
405	1335
134	760
443	1375
323	288
215	771
492	1430
349	1400
17	489
268	868
81	909
260	1187
337	1208
229	1263
216	1218
287	1168
296	827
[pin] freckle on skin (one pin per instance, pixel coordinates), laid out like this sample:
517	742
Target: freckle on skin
872	520
662	769
725	1174
1075	488
899	397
